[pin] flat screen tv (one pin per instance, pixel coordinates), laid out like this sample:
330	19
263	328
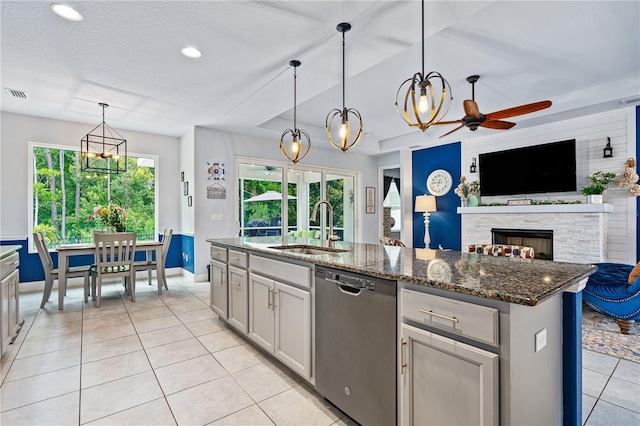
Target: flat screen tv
534	169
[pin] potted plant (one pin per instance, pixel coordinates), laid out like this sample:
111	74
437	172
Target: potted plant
599	181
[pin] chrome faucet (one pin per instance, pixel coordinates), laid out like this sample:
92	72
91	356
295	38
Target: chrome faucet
332	238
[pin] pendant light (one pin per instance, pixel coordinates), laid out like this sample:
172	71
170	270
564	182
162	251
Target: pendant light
105	151
345	134
293	151
431	103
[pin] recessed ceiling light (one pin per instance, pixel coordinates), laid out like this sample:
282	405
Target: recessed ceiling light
191	52
66	11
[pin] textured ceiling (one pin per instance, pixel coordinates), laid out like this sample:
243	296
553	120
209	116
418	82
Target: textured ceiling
584	56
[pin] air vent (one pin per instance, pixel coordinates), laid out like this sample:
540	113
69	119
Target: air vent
16	93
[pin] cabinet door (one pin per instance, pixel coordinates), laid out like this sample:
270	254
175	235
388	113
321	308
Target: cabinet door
293	327
5	336
238	299
446	382
218	291
261	311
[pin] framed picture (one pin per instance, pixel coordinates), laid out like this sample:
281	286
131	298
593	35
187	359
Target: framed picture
190	201
370	200
185	187
181	176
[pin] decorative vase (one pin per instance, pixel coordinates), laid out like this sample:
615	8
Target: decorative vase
110	229
473	201
464	201
594	199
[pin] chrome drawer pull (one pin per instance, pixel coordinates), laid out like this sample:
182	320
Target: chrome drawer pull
452	319
402	364
236	284
269	298
234	258
14	263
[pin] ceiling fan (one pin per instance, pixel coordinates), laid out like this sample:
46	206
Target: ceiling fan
474	118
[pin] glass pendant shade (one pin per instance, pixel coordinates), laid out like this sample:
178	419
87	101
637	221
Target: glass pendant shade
295	143
103	149
424	99
343	136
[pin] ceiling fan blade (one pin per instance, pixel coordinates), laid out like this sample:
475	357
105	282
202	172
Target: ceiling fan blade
471	108
448	122
498	124
519	110
457	128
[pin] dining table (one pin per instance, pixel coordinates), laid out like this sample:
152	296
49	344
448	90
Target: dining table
65	251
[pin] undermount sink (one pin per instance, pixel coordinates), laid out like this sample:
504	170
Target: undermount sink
304	249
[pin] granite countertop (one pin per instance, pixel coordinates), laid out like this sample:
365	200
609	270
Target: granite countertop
8	250
513	280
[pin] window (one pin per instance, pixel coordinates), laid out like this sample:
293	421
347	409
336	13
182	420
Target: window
63	197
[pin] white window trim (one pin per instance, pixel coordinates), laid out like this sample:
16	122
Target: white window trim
286	166
32	144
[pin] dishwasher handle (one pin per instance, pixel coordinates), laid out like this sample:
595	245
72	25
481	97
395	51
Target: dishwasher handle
344	286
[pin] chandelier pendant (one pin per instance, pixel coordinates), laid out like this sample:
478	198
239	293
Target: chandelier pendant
427	97
344	137
295	143
104	151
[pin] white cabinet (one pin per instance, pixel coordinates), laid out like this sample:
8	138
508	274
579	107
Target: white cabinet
218	293
238	298
280	321
9	294
444	381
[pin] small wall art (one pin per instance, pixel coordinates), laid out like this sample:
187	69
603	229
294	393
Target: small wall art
370	200
216	192
189	201
185	189
181	176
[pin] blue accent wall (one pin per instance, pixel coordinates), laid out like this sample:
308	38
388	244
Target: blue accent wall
31	267
445	224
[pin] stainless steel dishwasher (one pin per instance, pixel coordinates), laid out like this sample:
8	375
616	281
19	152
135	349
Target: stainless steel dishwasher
355	344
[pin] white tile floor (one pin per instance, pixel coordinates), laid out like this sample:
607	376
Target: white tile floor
167	360
163	360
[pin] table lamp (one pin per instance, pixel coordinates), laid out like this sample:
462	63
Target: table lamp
426	204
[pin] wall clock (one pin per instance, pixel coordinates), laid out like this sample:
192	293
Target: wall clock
439	182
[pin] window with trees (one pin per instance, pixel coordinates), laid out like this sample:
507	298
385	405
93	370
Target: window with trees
64	198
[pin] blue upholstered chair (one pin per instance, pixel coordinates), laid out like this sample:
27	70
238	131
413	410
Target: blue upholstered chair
609	292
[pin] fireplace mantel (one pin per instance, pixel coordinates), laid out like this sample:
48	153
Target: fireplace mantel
544	208
579	230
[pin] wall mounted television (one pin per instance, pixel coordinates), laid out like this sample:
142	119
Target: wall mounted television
534	169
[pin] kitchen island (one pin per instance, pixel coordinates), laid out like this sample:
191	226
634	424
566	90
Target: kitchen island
519	318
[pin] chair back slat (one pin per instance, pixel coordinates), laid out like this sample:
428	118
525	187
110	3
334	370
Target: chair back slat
43	252
115	252
166	242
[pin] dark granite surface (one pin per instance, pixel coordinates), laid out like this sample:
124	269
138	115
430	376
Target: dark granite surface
525	282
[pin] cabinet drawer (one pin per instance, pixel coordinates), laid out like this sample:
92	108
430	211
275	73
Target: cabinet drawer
462	318
219	253
284	271
238	258
9	264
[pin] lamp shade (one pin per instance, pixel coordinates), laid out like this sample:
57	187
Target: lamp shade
425	203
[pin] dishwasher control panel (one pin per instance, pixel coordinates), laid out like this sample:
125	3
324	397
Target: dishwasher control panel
351	280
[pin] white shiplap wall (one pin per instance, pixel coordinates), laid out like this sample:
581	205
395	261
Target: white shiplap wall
591	134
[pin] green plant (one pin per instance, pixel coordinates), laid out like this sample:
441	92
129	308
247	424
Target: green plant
474	187
48	232
599	181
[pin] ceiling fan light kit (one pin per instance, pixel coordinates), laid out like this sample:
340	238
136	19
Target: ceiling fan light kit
474	118
104	152
298	147
345	134
427	98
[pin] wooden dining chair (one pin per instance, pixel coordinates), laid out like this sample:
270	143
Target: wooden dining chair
51	272
114	258
150	264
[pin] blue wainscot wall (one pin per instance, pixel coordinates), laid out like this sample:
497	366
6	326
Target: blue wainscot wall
445	224
31	267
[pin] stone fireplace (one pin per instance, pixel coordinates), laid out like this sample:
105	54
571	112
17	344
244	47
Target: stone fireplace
578	231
